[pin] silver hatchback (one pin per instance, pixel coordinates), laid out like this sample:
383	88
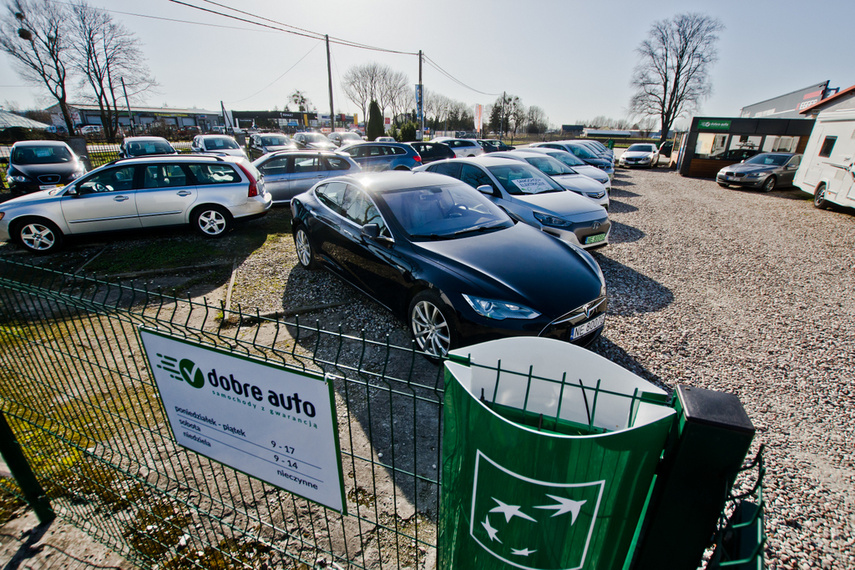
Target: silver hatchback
291	172
209	193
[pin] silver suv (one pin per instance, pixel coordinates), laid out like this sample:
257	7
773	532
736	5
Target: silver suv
209	193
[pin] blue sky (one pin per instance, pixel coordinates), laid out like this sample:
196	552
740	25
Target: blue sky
573	59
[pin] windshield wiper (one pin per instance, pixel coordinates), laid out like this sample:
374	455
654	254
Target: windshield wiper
479	229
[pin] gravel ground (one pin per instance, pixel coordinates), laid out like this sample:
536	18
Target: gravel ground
725	289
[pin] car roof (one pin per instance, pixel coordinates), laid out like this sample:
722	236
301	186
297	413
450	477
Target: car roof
489	160
40	143
390	180
188	158
148	138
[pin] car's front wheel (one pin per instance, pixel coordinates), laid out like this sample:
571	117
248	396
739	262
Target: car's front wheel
305	253
819	197
38	236
212	221
430	321
770	184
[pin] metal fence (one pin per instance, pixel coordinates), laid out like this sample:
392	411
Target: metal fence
77	392
79	397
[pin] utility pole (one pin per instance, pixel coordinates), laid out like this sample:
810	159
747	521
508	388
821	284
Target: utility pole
128	104
421	103
329	76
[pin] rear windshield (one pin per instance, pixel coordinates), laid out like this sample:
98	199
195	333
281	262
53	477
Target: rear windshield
274	141
149	147
41	155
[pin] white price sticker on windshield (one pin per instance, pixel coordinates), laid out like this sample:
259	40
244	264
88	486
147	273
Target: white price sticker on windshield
532	185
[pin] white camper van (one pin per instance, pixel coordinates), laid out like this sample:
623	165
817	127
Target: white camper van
827	171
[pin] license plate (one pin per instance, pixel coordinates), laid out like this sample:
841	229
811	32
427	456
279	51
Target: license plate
595	239
589	327
48	186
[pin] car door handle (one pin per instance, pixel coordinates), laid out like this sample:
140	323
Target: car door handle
184	193
121	198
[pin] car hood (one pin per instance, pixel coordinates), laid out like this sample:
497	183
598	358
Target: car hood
274	148
31	198
591	172
562	204
579	182
321	146
553	279
638	154
61	168
229	151
744	167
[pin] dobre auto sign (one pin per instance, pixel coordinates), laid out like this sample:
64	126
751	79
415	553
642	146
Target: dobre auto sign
274	424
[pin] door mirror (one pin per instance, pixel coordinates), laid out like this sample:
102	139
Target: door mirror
372	232
485	189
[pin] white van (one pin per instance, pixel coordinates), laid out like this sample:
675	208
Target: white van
827	171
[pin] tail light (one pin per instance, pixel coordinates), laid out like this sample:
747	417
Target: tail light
253	184
417	158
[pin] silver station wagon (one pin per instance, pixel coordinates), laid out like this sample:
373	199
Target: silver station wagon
209	193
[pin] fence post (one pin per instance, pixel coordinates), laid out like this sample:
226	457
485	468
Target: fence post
14	458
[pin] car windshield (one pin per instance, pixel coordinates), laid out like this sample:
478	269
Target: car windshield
768	159
582	152
316	138
149	147
567	158
641	148
274	141
220	142
40	155
444	212
523	179
549	165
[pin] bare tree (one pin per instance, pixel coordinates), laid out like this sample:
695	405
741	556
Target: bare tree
536	121
299	98
106	54
35	35
392	92
517	114
672	77
361	85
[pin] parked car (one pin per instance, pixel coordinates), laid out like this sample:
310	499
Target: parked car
583	153
493	145
291	172
209	193
383	156
640	154
767	170
216	144
385	139
435	251
143	146
89	129
260	144
340	138
41	165
461	147
532	197
432	151
576	164
599	148
564	175
314	141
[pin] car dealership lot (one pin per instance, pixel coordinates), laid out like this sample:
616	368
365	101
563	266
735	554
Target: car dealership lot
733	290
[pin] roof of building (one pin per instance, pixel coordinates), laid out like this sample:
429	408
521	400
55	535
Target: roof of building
816	107
8	120
138	109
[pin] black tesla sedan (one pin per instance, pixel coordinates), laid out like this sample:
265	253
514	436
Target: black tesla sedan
437	252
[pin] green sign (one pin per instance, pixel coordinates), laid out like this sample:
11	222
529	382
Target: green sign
540	472
713	125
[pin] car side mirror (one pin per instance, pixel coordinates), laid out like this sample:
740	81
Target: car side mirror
372	232
485	189
72	192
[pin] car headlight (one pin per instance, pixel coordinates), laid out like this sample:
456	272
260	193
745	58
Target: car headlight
552	221
596	195
754	174
499	310
16	178
77	174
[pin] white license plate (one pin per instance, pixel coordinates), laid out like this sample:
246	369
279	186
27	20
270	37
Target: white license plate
589	327
48	186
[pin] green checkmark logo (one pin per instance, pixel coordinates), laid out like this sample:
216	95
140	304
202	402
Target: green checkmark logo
191	373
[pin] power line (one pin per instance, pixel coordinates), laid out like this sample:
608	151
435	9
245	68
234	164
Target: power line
278	78
436	66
